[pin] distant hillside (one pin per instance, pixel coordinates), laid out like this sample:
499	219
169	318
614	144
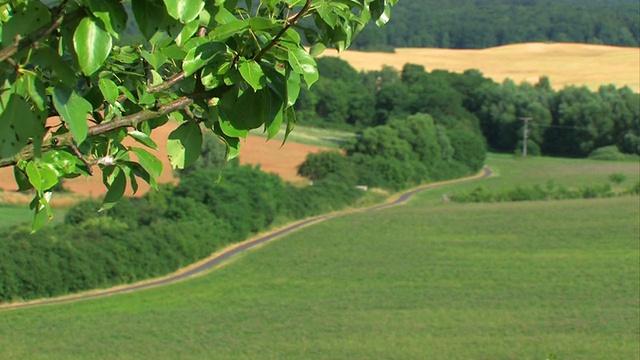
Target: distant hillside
474	24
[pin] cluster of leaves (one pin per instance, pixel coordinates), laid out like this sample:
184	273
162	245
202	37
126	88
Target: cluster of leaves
482	24
571	122
156	234
401	154
225	66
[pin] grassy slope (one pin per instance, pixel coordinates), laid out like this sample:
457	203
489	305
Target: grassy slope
454	281
20	214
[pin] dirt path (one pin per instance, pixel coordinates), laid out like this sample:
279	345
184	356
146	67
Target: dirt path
220	257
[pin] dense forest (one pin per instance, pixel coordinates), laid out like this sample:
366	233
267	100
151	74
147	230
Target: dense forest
572	122
465	24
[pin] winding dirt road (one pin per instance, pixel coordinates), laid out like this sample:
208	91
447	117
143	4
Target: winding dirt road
219	258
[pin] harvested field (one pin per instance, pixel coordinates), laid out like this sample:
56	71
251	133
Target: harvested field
269	155
564	63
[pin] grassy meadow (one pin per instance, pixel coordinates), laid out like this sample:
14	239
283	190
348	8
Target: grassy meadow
424	280
21	214
326	138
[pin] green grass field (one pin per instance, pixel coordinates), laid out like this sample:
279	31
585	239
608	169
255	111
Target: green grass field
328	138
20	214
423	280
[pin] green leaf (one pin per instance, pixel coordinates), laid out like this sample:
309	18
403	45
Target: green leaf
229	130
250	110
317	49
62	162
293	89
42	176
252	73
92	44
42	214
262	23
290	118
225	31
155	59
143	139
33	88
201	55
302	63
17	125
233	143
149	15
109	90
21	179
187	31
46	57
385	16
148	161
112	14
116	190
184	144
73	110
26	19
184	10
273	127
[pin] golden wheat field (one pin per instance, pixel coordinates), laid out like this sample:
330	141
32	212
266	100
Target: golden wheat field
564	63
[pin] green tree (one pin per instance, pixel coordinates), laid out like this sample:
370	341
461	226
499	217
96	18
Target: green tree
222	66
318	166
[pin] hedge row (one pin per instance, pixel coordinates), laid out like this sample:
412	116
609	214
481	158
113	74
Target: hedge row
537	192
156	234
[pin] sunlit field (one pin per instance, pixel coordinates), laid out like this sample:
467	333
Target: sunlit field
564	63
424	280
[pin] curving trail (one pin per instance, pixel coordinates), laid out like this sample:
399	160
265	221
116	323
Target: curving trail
226	254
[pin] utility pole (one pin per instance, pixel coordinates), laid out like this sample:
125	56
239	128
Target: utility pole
525	134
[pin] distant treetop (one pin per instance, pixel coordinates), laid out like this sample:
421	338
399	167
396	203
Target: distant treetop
472	24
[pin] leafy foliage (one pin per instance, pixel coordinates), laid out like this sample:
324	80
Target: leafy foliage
222	66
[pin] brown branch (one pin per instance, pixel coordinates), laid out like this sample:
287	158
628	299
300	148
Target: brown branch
167	83
86	162
290	22
66	140
43	32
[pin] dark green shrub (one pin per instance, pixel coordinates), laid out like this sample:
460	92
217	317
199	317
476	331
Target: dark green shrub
469	149
318	166
617	178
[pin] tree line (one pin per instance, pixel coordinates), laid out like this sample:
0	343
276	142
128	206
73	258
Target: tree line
151	236
572	122
467	24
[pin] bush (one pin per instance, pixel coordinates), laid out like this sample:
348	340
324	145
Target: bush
617	178
611	153
318	166
469	149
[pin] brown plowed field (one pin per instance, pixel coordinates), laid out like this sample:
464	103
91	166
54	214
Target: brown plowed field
269	155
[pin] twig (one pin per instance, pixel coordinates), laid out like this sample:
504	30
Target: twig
124	122
43	32
75	150
290	22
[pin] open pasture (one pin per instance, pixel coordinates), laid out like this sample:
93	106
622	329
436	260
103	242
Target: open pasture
421	280
564	63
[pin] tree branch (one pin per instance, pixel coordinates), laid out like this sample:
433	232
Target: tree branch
66	140
43	32
290	22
